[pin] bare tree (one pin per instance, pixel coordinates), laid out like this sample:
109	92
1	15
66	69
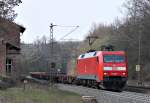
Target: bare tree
7	8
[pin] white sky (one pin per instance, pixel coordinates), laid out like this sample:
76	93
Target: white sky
36	16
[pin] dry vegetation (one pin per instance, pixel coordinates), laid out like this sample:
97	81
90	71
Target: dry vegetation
38	94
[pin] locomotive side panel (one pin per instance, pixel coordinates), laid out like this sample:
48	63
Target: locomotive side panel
87	68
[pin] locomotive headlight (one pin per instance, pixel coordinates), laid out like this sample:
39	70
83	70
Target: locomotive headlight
124	73
107	68
121	68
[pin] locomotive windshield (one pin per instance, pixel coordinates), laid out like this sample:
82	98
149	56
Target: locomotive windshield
114	58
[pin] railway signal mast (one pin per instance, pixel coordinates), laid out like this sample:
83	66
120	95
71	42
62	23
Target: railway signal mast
52	62
53	70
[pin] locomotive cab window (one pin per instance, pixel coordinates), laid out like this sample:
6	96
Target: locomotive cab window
119	58
114	58
94	54
108	58
82	56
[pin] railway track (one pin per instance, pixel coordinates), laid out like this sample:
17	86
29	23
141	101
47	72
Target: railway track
104	96
131	88
108	96
131	95
138	89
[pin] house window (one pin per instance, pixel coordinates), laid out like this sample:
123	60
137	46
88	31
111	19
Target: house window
8	65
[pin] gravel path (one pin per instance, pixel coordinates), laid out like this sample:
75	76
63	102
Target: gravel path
103	96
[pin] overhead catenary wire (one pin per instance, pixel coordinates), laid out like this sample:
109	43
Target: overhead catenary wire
76	27
66	26
69	39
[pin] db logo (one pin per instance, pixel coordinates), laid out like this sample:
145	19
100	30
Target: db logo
114	73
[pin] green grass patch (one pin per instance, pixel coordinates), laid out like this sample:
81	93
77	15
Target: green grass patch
39	95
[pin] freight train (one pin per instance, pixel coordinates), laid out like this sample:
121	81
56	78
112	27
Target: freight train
101	69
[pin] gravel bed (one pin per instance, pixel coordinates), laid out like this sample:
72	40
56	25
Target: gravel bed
103	96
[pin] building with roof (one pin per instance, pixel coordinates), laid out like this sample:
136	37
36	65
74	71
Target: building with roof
10	33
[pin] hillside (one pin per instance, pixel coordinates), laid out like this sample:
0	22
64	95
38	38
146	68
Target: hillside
36	57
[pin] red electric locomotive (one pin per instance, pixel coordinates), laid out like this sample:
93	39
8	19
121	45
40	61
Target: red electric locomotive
107	69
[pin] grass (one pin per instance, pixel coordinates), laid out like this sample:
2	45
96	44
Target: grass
38	95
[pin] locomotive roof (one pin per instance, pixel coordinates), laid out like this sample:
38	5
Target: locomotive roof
96	53
88	55
113	52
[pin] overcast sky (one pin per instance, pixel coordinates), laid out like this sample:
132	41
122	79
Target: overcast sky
36	16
